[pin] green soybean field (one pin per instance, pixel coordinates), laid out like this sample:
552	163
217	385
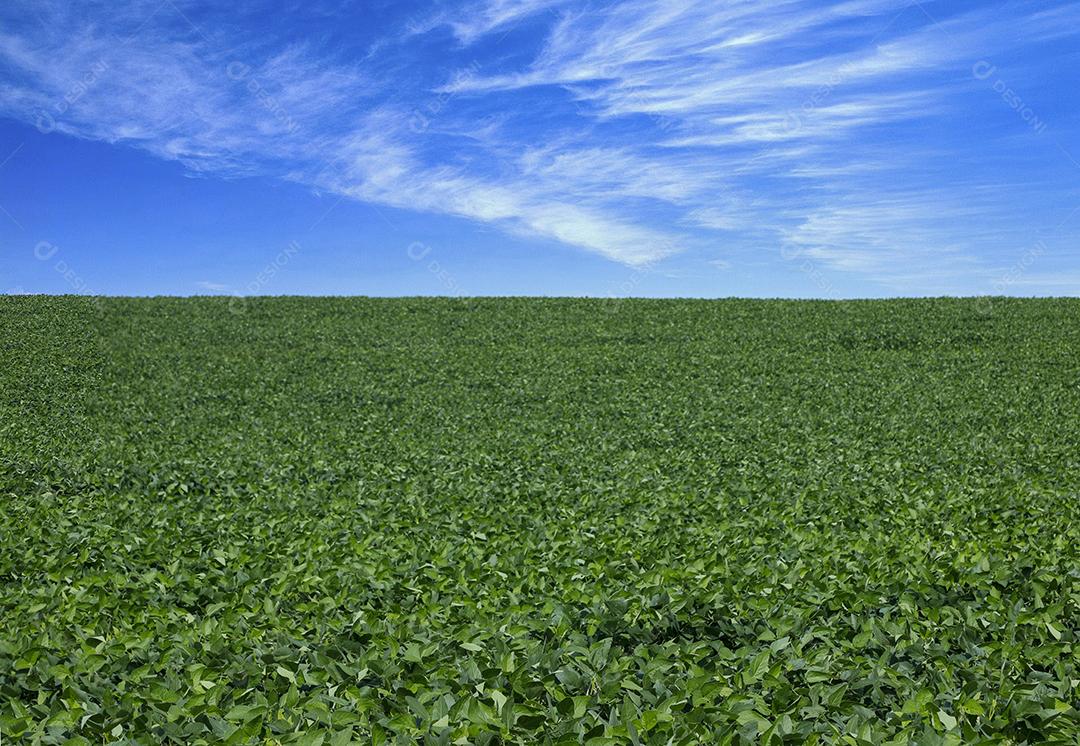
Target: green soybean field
539	521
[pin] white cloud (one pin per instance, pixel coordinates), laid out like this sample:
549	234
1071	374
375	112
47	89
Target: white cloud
496	15
380	166
1065	282
681	122
476	19
892	234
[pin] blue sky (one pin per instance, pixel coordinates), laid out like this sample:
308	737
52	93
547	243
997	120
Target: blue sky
788	148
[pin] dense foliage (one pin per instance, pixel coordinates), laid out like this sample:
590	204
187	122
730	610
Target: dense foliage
332	521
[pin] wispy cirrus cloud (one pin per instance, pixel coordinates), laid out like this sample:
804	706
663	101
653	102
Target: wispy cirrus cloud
314	120
473	20
376	165
633	130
